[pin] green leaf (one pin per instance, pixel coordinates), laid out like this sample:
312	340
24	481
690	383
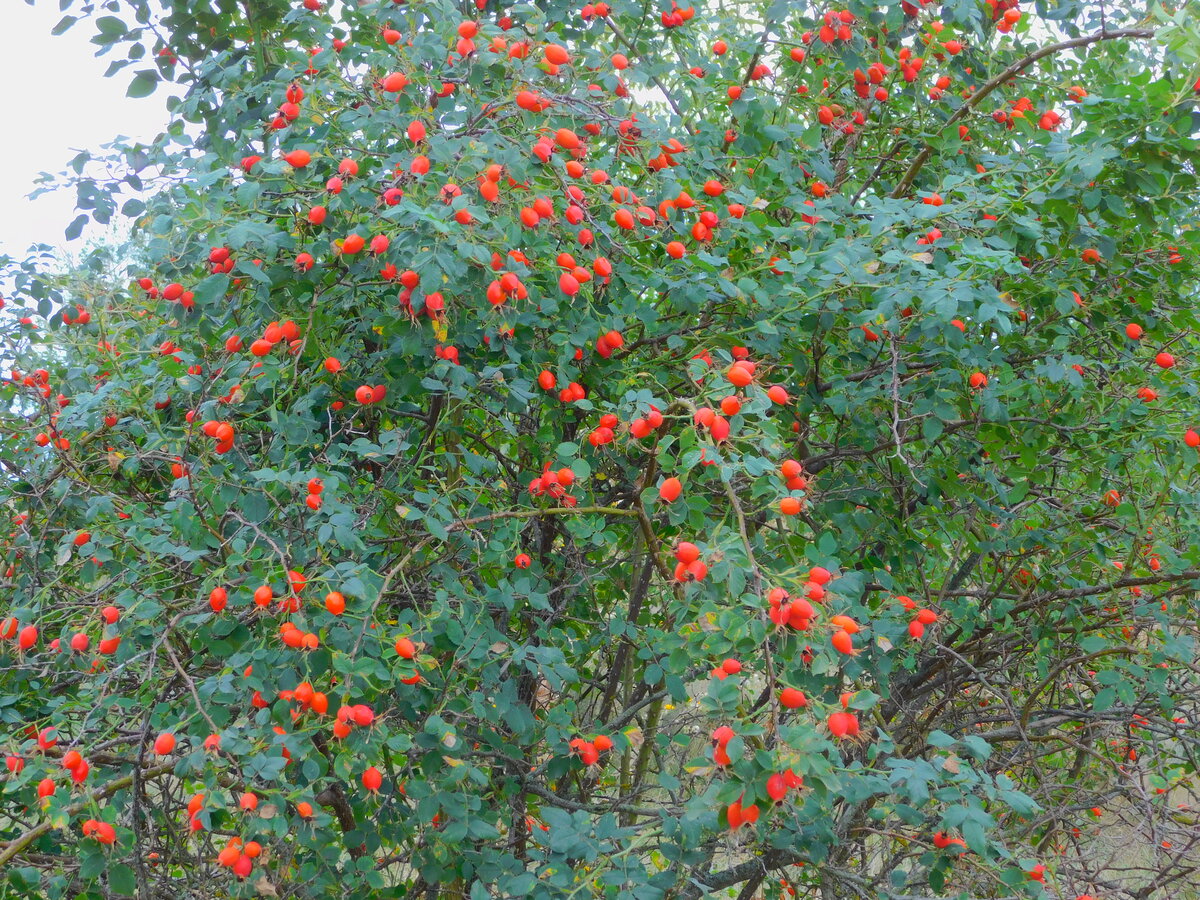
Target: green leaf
143	84
75	229
940	739
122	880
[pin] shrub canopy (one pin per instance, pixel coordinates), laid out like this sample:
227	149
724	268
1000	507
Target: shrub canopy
621	451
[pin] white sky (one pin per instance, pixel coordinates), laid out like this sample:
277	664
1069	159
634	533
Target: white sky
56	101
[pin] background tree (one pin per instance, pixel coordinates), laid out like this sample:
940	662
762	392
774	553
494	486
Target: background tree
618	451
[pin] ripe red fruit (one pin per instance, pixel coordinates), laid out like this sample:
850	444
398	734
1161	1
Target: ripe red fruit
791	698
978	381
27	637
568	284
1191	438
522	561
1133	331
843	642
739	815
335	603
739	375
843	724
372	779
405	648
686	553
819	575
1164	360
164	743
670	489
297	159
218	598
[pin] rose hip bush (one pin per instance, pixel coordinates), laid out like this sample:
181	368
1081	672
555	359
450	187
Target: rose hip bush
613	450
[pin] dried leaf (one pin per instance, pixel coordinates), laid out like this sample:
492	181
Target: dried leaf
923	257
951	764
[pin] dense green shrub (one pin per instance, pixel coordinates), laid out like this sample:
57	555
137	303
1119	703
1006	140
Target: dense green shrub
509	470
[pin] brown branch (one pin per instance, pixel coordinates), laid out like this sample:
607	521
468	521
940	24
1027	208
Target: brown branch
16	845
1013	70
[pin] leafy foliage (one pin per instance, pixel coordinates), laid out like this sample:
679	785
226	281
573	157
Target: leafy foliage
645	452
